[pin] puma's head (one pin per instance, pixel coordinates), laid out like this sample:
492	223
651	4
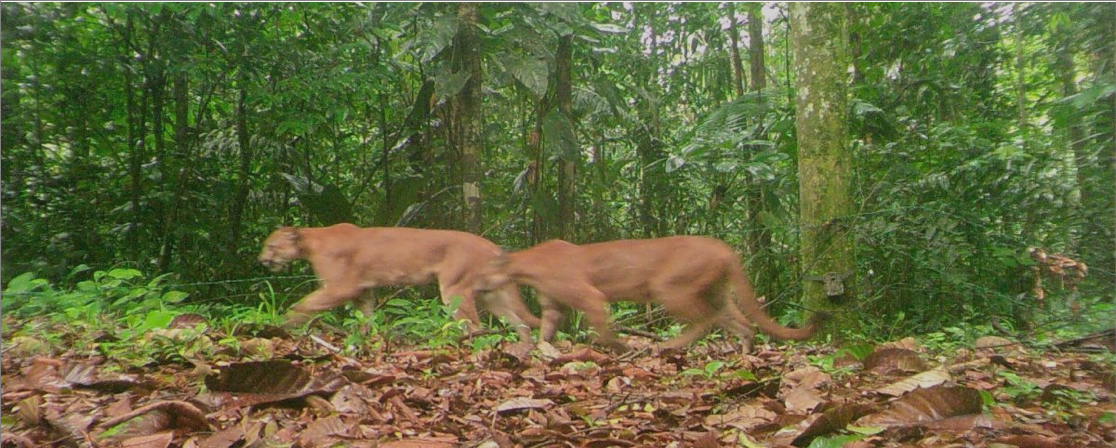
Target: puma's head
280	248
494	275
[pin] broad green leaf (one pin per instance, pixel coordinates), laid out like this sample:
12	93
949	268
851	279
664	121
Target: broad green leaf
174	296
124	274
674	162
865	430
835	441
24	282
449	84
608	28
158	319
533	73
559	138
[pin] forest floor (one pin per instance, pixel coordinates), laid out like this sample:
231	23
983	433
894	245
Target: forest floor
203	388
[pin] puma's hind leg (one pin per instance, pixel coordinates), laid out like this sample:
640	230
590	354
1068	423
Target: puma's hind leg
590	301
467	308
733	320
503	303
687	304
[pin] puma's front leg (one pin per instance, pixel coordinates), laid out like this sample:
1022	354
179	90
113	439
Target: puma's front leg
551	318
327	297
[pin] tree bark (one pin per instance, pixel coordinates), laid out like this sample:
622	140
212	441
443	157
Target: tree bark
855	46
653	183
763	272
755	47
467	113
819	36
567	167
1020	85
177	167
737	65
243	181
135	141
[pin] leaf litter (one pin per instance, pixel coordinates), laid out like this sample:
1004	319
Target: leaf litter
564	396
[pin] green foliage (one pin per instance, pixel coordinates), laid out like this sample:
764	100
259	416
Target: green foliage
713	370
1019	389
835	441
425	321
123	292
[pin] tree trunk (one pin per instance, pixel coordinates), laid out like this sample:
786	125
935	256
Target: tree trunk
177	167
755	46
763	272
467	113
824	163
567	167
855	45
535	170
737	65
243	183
1020	86
136	135
653	183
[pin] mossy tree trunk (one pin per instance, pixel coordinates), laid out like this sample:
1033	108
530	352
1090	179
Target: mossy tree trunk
819	37
467	113
567	165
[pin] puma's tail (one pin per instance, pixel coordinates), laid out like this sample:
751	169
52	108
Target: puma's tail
754	312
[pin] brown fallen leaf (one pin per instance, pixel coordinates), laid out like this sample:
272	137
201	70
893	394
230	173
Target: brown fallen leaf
224	438
154	418
29	410
966	423
767	388
929	378
743	418
187	320
1027	441
421	443
519	352
709	440
43	374
74	425
585	354
907	343
352	399
325	432
894	359
119	407
993	342
807	377
522	403
831	421
8	439
926	405
160	440
802	400
261	382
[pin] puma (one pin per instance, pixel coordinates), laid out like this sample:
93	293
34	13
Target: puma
349	260
692	277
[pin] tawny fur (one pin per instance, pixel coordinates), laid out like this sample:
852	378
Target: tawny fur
349	260
697	279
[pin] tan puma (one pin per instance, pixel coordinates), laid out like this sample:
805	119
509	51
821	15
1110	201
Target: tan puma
690	276
349	260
